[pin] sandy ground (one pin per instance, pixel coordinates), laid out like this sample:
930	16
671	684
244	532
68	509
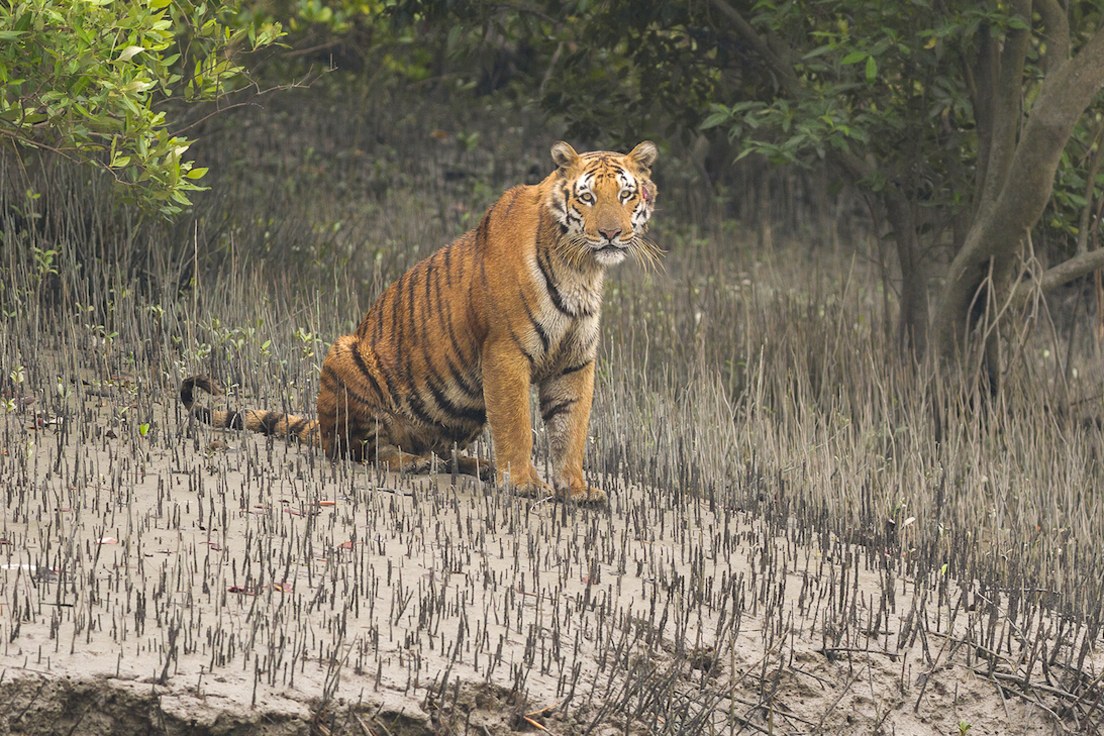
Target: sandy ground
173	579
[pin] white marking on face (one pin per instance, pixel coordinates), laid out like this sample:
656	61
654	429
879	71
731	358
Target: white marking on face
609	256
628	185
584	190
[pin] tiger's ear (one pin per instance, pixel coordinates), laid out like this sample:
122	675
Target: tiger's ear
644	155
563	155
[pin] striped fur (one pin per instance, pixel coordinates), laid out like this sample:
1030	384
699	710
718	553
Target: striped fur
457	342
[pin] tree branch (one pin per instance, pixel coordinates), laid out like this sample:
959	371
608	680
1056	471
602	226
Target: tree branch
859	167
980	75
1005	106
1063	273
1056	25
782	70
998	230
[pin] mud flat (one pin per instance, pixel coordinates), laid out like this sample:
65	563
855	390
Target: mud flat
157	577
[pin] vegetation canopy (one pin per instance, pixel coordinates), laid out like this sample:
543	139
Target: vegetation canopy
91	81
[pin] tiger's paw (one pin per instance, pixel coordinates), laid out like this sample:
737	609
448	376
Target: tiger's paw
472	465
533	490
527	484
584	495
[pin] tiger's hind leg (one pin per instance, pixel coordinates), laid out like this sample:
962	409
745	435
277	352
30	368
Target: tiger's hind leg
352	407
400	461
465	464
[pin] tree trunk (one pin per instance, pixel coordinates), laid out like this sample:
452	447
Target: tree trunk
1017	163
1020	195
913	325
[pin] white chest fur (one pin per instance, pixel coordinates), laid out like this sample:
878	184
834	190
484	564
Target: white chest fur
564	318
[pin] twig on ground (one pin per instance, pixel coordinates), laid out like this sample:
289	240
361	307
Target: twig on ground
824	716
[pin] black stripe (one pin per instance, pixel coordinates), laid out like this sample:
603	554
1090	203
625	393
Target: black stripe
514	192
363	368
536	325
550	284
379	310
484	226
461	380
388	384
447	250
435	300
572	369
439	305
423	348
235	421
330	380
296	427
461	436
396	321
428	305
467	321
483	273
412	305
521	347
452	336
558	205
419	410
467	413
550	413
268	422
464	248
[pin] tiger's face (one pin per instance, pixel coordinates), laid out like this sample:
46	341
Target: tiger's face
603	201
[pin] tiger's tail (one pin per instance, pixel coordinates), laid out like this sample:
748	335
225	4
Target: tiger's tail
255	420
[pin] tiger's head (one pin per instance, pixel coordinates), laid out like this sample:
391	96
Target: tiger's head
603	202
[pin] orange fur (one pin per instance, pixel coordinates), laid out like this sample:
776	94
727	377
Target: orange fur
458	341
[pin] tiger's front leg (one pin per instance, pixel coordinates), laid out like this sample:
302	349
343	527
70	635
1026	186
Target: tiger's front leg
506	394
565	401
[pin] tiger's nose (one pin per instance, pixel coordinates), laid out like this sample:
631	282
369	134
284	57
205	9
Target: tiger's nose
610	234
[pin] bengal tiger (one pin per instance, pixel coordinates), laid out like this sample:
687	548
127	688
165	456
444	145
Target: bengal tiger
457	342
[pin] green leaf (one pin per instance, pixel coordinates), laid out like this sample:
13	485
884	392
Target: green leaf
714	119
129	52
871	69
197	173
818	51
854	57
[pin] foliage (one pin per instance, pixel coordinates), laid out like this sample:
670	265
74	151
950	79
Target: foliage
895	83
89	81
873	79
613	71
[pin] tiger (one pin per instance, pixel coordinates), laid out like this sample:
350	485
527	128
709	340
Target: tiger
459	340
